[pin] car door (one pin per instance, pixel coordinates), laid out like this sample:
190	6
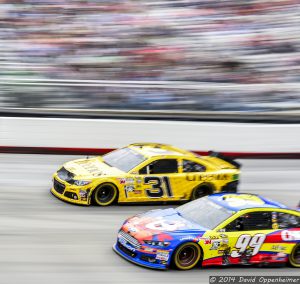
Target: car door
248	238
159	180
288	233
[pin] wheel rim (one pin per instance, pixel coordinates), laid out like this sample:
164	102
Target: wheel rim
105	194
296	256
187	256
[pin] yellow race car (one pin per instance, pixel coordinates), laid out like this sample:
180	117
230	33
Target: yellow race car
145	172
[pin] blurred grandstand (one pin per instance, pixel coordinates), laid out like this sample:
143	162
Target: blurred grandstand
213	55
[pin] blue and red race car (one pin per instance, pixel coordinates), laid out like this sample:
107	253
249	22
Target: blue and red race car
220	229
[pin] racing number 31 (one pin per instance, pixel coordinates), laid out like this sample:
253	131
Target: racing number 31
157	184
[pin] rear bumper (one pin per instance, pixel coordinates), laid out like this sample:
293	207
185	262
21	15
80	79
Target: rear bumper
136	259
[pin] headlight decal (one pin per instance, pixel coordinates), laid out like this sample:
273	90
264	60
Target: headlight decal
81	182
157	243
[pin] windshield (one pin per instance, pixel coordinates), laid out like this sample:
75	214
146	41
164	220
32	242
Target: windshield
204	212
124	159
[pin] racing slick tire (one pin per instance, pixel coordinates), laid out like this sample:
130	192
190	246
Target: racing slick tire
294	257
105	194
201	191
187	256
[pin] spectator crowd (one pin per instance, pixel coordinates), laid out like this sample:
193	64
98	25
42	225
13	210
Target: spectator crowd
213	41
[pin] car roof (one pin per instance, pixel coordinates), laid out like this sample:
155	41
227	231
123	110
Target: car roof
241	201
153	149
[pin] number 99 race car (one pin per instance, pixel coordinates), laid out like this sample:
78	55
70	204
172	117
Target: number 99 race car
220	229
144	172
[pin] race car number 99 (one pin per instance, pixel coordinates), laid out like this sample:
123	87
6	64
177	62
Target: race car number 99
244	241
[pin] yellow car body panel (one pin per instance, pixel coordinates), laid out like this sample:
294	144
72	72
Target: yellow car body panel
136	185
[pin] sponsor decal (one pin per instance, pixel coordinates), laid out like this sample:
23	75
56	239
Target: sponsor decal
129	188
215	245
290	235
82	194
165	225
162	255
124	243
280	256
122	180
189	238
147	249
92	168
207	241
206	177
129	180
131	229
223	236
278	247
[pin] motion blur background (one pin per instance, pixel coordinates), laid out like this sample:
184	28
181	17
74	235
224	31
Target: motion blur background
209	59
208	55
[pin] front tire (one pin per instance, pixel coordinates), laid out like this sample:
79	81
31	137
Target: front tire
187	256
105	194
294	257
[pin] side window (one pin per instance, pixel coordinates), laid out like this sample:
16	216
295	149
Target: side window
251	221
190	167
143	171
164	166
286	221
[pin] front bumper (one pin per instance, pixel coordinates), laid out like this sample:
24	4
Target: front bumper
68	192
64	198
140	258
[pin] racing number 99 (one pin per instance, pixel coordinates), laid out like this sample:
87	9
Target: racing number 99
157	184
244	241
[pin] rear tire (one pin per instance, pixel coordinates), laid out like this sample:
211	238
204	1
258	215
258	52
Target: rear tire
187	256
105	194
201	191
294	257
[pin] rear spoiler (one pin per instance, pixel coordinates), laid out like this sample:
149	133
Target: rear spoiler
227	159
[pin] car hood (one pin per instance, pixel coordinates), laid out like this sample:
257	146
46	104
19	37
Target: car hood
161	224
93	167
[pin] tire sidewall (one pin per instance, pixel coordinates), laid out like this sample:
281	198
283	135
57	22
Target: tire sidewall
175	262
113	199
291	254
207	189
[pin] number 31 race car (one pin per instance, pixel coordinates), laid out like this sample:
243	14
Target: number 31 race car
144	172
220	229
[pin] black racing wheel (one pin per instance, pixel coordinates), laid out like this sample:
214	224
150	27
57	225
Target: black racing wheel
105	194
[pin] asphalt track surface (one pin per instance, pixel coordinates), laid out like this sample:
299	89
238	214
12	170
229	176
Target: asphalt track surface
44	240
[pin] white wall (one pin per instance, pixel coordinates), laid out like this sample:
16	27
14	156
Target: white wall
109	133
